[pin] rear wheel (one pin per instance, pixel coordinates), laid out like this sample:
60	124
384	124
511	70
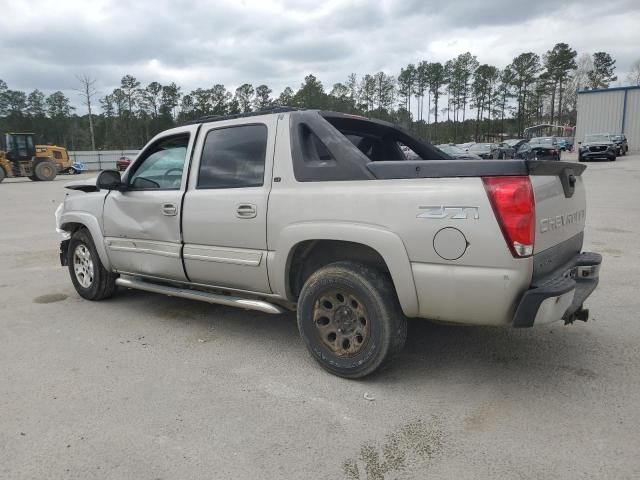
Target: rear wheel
350	319
45	171
90	279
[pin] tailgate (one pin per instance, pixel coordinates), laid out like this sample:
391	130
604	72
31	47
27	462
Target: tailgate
559	194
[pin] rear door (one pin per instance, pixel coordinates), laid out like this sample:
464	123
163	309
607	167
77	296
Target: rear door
225	207
142	224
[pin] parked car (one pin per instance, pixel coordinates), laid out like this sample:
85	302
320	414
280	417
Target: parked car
456	152
621	144
465	146
516	143
77	168
408	153
598	145
540	148
562	144
123	163
485	150
279	212
506	151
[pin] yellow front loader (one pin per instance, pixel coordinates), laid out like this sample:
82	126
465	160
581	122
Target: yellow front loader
21	157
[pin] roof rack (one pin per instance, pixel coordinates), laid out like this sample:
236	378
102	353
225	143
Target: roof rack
263	111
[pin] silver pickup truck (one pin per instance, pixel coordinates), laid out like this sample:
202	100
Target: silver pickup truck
324	213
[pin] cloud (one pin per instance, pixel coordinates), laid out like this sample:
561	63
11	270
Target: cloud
277	42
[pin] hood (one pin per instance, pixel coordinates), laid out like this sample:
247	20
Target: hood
86	185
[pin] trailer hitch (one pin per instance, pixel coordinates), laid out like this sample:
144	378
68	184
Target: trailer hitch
581	314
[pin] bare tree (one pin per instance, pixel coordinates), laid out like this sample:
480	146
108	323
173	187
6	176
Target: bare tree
87	92
633	77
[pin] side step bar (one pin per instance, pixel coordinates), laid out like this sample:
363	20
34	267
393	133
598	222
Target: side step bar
228	300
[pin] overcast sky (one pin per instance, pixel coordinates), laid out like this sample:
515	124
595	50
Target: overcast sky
197	43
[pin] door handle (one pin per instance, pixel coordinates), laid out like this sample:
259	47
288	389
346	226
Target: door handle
246	210
169	209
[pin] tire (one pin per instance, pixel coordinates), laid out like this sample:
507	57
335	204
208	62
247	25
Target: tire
350	319
45	171
3	174
90	279
580	158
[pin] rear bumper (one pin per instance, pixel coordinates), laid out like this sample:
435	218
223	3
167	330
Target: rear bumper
562	295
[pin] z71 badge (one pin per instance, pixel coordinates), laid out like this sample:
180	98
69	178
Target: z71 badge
454	213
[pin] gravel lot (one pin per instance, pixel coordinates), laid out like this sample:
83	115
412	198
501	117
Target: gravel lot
149	387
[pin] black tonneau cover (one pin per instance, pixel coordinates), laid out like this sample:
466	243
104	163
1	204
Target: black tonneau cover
469	168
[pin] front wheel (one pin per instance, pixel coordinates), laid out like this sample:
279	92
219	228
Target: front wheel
45	171
350	319
90	279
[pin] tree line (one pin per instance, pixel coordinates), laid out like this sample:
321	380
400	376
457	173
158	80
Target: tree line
456	101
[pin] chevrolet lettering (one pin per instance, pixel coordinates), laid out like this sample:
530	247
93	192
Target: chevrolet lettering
560	221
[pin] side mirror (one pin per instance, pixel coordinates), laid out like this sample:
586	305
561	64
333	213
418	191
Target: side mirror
109	180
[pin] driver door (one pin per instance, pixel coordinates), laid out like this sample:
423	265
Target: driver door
142	223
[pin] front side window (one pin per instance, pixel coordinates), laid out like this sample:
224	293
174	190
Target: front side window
233	157
162	166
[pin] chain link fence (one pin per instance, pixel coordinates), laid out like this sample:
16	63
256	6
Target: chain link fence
96	160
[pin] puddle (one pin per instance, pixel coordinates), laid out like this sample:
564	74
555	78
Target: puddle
50	298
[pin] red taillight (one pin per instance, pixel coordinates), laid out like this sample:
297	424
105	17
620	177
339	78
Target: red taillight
514	207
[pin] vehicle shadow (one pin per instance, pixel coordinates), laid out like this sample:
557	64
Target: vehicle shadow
432	350
59	178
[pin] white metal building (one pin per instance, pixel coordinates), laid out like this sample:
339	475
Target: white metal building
610	110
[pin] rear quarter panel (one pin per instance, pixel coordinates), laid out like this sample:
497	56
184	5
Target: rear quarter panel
480	287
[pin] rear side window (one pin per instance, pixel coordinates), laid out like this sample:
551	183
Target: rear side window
233	157
316	153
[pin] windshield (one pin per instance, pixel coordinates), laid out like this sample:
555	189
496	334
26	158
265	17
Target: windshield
543	140
480	147
596	138
512	142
